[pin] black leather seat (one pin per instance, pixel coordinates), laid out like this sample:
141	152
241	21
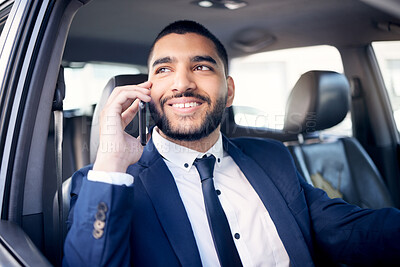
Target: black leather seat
318	101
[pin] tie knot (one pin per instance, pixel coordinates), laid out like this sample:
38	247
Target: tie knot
205	167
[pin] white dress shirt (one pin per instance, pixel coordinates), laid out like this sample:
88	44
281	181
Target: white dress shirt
255	234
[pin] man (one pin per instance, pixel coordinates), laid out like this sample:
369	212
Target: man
160	206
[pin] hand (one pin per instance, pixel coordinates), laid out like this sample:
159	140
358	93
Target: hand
117	149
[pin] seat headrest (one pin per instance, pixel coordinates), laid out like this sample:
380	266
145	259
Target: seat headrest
318	101
132	128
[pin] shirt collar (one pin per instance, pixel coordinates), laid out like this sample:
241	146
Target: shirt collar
181	156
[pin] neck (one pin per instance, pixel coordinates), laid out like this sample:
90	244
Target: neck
202	145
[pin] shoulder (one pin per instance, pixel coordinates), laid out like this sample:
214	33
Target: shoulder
267	148
276	161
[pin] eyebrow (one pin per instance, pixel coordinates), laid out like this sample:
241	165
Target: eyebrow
193	59
203	58
162	61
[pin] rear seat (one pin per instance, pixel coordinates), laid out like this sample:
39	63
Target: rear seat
340	166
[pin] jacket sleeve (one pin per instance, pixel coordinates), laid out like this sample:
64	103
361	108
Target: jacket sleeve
100	222
351	235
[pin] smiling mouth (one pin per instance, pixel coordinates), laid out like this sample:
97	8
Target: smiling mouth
185	100
186	105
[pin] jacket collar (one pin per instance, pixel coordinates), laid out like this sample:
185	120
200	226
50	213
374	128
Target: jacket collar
181	156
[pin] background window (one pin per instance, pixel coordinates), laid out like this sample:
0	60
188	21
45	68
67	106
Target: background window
388	56
85	82
264	81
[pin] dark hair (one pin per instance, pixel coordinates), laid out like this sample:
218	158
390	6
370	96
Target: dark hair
188	26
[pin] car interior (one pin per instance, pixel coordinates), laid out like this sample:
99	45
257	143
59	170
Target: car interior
335	111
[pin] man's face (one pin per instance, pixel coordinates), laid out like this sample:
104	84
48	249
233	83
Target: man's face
190	90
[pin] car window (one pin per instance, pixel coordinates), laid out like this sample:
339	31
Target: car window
84	82
5	8
2	23
388	56
264	81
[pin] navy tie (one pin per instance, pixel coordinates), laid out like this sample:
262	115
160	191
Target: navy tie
221	233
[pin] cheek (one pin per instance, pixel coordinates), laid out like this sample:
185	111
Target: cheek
159	87
213	87
220	92
155	96
156	91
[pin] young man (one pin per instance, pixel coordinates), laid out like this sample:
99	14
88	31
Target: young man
192	197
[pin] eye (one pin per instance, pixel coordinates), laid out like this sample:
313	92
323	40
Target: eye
162	70
202	68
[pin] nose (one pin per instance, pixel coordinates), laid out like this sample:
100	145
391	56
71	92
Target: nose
183	81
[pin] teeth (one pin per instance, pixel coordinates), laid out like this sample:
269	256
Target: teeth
185	105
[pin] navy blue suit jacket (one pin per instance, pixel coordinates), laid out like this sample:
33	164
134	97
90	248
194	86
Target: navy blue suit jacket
147	225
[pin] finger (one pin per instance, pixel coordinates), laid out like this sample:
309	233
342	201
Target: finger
121	94
129	101
124	100
128	115
143	87
146	84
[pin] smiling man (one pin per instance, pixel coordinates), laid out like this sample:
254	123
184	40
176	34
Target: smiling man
190	88
191	197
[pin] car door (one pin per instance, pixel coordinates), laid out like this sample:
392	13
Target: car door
31	47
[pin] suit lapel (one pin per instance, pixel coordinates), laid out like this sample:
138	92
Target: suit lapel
284	221
163	192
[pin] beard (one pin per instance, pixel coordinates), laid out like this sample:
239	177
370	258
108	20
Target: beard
211	120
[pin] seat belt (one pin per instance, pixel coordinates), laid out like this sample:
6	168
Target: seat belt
57	108
299	153
358	111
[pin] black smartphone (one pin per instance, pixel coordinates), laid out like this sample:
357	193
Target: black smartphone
142	123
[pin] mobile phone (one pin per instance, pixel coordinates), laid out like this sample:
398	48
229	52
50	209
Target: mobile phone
142	123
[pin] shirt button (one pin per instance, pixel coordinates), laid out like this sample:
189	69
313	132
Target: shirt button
218	192
237	236
186	165
219	160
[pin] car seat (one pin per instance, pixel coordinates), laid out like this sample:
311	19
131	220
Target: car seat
340	166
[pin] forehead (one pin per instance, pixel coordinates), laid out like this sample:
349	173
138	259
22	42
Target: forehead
183	45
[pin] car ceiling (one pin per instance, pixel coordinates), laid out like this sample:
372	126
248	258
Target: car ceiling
123	30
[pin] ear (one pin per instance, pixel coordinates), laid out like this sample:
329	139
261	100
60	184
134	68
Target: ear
231	91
